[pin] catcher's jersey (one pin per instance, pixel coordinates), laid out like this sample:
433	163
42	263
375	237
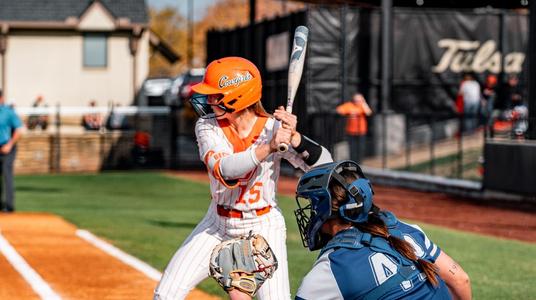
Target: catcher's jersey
351	273
257	188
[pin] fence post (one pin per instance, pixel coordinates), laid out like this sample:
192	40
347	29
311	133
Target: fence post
432	145
174	159
408	143
56	160
384	140
460	146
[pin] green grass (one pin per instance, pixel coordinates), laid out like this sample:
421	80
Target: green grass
150	214
447	166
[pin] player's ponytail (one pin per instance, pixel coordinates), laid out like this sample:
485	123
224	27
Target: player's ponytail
376	227
259	110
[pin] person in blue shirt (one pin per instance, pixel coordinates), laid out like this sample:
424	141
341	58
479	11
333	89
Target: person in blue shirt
10	132
366	253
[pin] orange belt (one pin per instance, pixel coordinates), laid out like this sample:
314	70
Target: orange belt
233	213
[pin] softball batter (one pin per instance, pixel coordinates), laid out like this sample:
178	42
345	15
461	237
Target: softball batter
238	143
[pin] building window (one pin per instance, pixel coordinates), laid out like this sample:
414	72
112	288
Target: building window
95	50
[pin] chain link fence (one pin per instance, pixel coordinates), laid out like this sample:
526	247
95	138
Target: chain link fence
440	144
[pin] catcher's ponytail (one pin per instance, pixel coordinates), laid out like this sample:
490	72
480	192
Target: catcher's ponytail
376	227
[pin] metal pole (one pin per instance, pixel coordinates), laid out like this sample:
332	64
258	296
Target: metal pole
502	46
342	52
532	71
387	30
252	16
460	147
190	33
408	142
174	137
432	145
56	165
387	10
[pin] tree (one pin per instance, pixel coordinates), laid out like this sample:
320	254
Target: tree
227	14
170	26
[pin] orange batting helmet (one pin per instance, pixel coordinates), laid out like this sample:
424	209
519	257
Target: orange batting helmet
235	78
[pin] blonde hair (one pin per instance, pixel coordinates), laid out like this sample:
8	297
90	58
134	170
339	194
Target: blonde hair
259	110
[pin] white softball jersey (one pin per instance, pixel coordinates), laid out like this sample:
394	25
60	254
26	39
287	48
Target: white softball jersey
247	202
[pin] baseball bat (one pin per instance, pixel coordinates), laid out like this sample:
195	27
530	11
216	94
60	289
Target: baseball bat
295	69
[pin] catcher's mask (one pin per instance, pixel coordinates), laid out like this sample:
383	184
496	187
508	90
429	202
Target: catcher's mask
235	78
314	200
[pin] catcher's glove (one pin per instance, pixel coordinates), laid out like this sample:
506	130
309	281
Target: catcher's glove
243	263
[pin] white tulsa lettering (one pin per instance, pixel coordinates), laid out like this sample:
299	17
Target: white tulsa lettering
464	56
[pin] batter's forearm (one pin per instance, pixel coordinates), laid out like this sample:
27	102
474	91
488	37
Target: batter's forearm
238	164
263	151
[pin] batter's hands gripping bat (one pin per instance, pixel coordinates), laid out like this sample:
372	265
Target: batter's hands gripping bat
295	69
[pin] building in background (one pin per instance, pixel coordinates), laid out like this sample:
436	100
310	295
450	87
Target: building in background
73	51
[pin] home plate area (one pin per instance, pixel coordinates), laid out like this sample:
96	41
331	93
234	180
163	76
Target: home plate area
44	257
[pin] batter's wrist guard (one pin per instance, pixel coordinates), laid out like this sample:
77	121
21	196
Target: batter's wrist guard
310	149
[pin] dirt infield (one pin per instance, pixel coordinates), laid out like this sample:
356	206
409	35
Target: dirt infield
495	219
72	267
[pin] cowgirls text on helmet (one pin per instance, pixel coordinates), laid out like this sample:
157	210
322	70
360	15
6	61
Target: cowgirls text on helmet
236	80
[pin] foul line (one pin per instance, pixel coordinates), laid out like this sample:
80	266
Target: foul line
119	254
30	275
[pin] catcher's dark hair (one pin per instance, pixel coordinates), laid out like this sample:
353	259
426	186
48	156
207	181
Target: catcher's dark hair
376	227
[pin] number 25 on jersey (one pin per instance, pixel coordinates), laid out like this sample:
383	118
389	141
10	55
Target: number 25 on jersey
253	195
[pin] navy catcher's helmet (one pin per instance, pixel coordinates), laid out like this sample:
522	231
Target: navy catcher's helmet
314	200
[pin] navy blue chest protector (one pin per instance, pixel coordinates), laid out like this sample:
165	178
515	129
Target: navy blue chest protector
355	239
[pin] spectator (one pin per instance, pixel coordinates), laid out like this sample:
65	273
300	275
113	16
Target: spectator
142	142
93	119
510	92
38	120
356	112
488	98
471	96
10	132
519	114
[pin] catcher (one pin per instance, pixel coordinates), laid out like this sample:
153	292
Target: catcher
367	253
241	265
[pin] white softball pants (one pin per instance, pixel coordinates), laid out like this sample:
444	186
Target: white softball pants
189	265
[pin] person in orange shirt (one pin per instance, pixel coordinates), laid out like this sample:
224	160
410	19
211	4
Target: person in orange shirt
356	113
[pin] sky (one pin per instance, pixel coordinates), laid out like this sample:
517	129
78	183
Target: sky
182	6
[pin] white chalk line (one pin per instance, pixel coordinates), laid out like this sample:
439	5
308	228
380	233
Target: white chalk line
38	284
126	258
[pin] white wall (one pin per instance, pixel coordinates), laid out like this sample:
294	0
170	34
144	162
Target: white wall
52	65
97	18
142	59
